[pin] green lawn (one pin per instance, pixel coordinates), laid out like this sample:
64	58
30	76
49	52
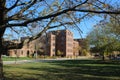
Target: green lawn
64	70
14	58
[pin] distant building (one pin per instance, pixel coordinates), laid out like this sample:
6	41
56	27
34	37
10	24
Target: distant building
83	43
64	42
27	50
60	40
49	44
21	52
76	48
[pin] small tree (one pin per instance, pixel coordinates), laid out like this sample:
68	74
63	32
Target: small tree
103	39
59	53
85	52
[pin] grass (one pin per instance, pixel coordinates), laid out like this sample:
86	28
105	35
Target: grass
14	58
64	70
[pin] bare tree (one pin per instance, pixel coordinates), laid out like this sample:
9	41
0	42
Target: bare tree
26	15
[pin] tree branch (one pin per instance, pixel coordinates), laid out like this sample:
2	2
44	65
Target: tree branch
97	12
45	29
13	6
31	3
44	17
62	12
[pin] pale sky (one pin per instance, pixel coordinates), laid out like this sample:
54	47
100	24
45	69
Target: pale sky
86	25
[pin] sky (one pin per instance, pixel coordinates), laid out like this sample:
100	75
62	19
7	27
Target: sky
85	25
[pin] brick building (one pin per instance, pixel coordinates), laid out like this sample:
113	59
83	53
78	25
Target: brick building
60	40
76	48
50	44
64	42
83	43
27	50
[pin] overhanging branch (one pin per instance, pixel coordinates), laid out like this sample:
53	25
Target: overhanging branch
98	12
44	17
62	12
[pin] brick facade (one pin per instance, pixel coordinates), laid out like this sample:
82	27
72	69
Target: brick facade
63	42
50	44
76	48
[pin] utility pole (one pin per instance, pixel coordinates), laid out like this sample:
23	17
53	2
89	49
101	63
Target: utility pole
35	51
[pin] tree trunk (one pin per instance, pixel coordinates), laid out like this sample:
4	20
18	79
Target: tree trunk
2	30
1	62
1	69
103	57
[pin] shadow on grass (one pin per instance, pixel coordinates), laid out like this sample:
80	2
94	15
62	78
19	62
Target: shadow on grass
70	70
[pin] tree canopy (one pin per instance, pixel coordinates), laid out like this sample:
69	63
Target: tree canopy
105	36
37	16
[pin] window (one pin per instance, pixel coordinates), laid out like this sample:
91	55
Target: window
53	38
62	43
53	50
21	52
62	38
53	44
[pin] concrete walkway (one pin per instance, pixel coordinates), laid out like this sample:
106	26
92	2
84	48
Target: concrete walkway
44	60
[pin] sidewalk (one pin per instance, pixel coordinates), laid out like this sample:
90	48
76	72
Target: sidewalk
45	60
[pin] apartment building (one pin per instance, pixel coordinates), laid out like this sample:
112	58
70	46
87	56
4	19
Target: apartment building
28	49
83	43
54	42
50	44
76	48
62	41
